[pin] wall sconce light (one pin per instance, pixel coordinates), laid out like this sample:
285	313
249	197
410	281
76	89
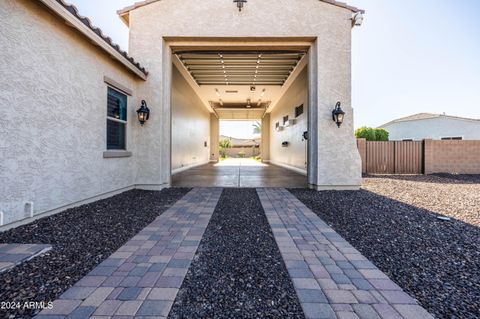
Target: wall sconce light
143	113
240	4
338	114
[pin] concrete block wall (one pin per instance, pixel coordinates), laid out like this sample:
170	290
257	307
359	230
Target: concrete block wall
456	157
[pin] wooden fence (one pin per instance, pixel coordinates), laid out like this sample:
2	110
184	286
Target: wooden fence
393	157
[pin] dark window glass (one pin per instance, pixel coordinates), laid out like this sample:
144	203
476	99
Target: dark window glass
285	119
299	110
115	135
457	138
116	120
277	125
117	105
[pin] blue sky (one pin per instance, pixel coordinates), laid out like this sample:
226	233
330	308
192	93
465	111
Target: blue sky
409	56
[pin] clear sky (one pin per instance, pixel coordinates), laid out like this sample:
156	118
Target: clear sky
237	129
409	56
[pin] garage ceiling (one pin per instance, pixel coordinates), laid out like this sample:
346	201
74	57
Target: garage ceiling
240	68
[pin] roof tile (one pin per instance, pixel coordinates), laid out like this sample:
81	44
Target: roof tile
74	11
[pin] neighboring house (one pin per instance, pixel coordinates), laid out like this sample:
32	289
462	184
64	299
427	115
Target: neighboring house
433	126
247	147
242	142
69	132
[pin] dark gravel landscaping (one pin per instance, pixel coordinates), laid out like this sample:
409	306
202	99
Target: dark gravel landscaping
82	238
393	222
238	271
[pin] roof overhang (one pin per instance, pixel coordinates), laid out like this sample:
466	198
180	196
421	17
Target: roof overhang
72	18
125	12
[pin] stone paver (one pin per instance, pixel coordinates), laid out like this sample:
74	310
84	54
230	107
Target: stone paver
142	277
14	254
332	279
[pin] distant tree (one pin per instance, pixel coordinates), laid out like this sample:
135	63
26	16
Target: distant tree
257	128
372	134
381	134
224	145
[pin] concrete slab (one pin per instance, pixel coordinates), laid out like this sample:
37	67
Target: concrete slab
239	173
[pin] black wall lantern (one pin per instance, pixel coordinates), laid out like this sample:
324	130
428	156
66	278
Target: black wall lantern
338	114
143	113
240	4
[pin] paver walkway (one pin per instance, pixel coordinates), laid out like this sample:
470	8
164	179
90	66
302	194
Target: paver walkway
331	278
143	277
14	254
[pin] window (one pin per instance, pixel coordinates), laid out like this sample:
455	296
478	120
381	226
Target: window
277	125
116	120
455	138
299	110
285	120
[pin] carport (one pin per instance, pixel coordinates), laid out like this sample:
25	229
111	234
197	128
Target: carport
234	85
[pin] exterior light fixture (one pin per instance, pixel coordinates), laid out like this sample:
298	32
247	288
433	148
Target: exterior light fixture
357	19
240	4
338	114
143	113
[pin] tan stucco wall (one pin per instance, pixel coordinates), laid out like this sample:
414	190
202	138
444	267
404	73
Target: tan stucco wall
190	126
53	114
338	162
295	155
265	146
214	138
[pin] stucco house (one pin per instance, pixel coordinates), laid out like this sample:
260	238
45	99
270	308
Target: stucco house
422	126
69	128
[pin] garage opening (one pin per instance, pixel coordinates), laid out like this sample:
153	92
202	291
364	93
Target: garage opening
214	92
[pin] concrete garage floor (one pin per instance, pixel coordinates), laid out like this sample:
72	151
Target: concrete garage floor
239	172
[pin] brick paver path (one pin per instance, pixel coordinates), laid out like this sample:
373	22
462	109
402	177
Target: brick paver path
14	254
143	277
331	278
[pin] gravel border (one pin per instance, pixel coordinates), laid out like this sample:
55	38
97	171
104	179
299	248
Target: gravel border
435	261
82	238
238	271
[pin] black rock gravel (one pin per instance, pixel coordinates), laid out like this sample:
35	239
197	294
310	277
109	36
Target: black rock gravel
238	271
392	221
81	238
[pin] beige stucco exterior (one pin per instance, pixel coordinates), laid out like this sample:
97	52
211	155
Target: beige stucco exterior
53	96
53	112
325	28
293	156
190	126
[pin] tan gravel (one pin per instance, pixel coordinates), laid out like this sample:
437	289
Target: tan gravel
448	195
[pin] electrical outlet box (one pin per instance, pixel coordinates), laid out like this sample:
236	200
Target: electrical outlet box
28	210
